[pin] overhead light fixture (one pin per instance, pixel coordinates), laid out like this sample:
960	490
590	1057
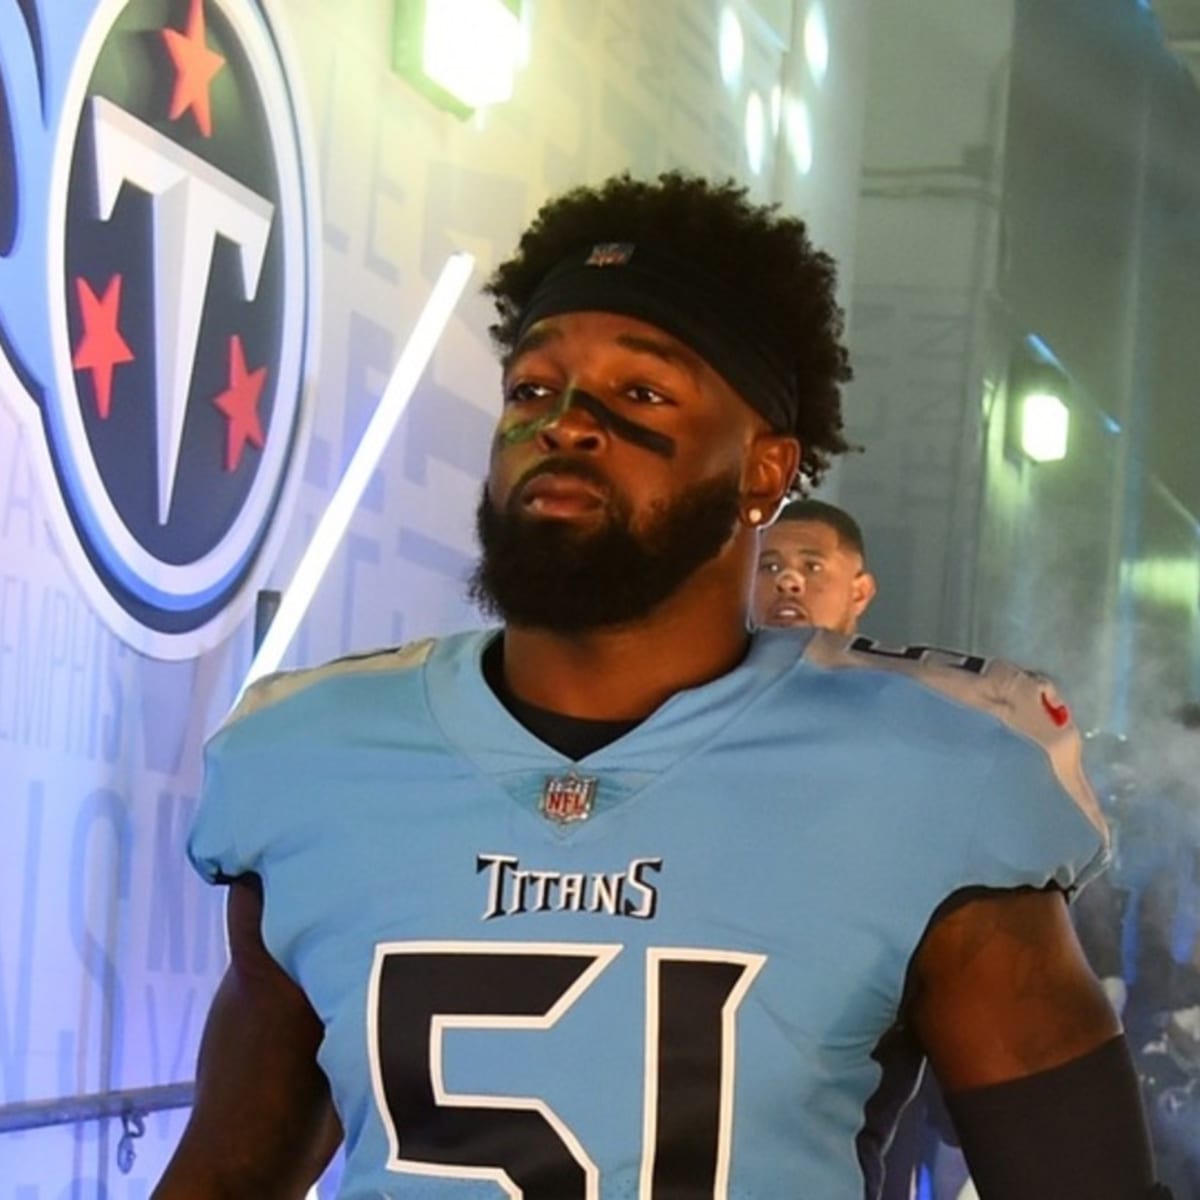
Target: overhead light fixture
1039	414
1045	426
461	54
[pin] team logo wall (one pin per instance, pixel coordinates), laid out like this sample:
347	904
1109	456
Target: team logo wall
156	297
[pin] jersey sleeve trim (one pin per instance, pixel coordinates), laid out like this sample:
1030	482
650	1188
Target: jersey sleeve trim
271	689
1026	702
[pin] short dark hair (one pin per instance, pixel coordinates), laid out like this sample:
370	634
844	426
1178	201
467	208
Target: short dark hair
838	519
785	285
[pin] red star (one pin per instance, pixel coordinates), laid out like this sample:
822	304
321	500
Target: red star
240	404
195	66
102	347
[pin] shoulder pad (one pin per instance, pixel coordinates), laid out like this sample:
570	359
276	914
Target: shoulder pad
1025	701
280	685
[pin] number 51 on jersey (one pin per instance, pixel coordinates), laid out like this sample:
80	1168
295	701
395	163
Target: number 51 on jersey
419	990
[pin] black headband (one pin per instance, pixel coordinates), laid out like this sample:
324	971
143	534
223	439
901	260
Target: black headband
680	299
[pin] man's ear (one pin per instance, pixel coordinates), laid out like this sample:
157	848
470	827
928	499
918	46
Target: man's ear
862	591
771	468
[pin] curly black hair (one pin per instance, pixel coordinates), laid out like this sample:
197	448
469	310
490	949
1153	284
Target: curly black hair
786	285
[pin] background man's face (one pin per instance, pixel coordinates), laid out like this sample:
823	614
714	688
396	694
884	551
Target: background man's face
807	576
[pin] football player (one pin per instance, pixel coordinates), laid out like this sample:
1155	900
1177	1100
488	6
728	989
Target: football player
812	569
614	898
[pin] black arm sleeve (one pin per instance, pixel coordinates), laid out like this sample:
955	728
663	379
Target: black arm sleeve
1076	1132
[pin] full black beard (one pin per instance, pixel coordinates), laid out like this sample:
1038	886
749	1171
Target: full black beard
544	574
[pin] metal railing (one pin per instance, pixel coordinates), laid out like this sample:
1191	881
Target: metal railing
132	1106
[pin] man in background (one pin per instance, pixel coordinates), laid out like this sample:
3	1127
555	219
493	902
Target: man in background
812	569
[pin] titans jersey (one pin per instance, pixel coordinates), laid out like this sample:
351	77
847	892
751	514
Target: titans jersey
680	994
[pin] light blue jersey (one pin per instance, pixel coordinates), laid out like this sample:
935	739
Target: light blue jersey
668	984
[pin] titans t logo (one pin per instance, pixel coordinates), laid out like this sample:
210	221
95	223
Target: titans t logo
157	298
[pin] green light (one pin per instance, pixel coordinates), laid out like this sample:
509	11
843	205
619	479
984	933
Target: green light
462	54
1167	581
1045	425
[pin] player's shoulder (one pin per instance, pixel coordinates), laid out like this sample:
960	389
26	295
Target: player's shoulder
1023	705
282	686
1025	700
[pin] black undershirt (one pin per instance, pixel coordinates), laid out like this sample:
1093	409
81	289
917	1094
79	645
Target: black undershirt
574	737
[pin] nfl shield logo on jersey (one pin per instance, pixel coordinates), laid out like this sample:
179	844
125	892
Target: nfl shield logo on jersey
567	798
157	294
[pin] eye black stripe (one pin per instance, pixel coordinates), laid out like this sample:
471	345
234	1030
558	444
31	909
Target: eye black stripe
622	427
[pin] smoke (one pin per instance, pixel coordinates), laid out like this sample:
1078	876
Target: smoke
1150	785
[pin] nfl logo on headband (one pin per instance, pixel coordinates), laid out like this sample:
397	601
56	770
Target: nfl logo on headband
610	254
567	798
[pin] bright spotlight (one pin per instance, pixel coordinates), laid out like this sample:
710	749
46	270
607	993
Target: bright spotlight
1038	415
462	54
816	43
731	47
799	135
755	132
1045	426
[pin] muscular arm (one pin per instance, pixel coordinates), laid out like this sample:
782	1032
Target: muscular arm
1003	990
1021	1036
263	1126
